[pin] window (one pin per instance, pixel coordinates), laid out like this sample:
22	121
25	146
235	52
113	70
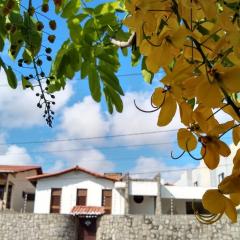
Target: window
220	177
107	200
197	205
30	196
195	184
138	199
55	200
1	192
81	197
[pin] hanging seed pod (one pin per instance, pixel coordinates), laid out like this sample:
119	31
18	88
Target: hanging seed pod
53	24
48	50
45	7
39	62
40	26
51	38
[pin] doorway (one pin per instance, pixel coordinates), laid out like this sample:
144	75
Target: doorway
87	228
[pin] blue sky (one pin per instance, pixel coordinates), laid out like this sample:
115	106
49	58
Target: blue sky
78	117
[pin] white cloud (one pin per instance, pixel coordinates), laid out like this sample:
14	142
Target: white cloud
18	108
15	155
84	119
131	120
148	167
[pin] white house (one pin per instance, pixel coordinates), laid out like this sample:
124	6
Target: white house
201	176
61	192
16	192
84	193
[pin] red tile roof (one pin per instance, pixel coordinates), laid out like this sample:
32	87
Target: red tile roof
87	210
19	168
77	168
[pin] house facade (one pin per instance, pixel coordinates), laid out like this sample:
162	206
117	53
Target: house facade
81	192
16	192
61	192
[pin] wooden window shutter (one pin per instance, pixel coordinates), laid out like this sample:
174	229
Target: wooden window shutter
107	200
81	197
55	200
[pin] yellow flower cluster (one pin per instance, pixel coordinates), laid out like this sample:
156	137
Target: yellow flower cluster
197	44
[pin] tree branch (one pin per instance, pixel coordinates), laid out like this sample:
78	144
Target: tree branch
123	44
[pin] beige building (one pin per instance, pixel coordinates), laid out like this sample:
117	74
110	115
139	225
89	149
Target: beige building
16	192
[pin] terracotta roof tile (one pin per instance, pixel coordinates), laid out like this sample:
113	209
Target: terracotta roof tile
19	168
76	168
87	210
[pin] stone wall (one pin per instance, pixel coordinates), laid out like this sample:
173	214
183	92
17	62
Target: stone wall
15	226
165	227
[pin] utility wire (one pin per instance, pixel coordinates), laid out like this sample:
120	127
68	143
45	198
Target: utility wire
76	79
88	138
89	148
164	171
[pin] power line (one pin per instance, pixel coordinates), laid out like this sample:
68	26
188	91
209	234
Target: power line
89	148
76	79
88	138
176	170
164	171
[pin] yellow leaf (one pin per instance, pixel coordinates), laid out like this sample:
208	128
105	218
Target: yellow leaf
231	80
158	97
236	159
230	210
224	150
211	157
186	139
229	110
209	7
186	113
236	135
201	121
213	201
167	111
235	197
221	128
209	94
230	184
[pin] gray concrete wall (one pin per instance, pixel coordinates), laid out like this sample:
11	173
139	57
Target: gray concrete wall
164	227
15	226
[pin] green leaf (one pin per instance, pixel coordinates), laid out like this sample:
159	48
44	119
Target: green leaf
1	43
113	98
147	75
26	83
136	56
124	51
110	78
11	77
27	56
2	64
94	83
71	8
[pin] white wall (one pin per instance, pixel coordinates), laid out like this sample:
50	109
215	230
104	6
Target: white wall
118	201
69	183
206	177
146	188
146	207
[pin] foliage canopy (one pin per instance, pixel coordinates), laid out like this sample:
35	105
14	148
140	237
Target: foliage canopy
195	42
